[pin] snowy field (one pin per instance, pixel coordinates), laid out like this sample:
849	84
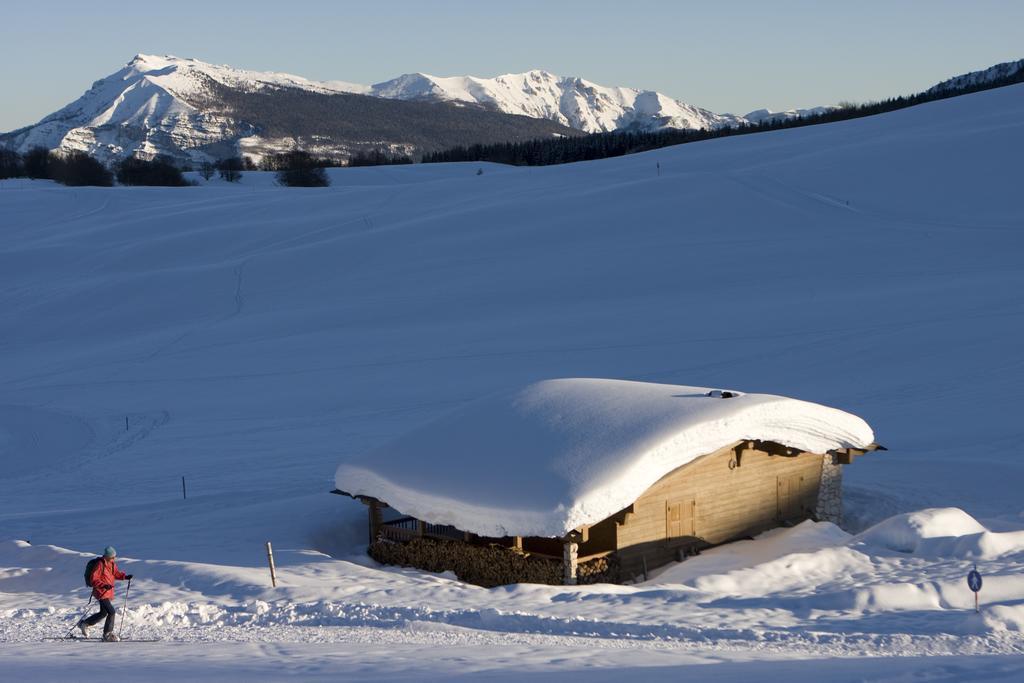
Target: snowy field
251	338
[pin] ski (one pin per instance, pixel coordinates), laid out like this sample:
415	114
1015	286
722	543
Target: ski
100	640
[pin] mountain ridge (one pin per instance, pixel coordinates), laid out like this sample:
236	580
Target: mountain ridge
162	105
1003	70
195	111
569	100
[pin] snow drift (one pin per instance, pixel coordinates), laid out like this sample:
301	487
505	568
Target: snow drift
943	532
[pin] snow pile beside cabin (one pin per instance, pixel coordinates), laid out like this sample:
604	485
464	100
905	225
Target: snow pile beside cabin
942	532
560	454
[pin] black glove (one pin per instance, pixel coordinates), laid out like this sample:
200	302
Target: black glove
106	587
129	576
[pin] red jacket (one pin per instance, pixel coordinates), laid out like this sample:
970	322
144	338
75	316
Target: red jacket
103	577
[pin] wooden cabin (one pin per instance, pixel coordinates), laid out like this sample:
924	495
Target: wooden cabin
735	491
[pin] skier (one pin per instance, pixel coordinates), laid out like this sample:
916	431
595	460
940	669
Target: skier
102	580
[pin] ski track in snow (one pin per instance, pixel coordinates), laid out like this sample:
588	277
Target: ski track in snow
340	623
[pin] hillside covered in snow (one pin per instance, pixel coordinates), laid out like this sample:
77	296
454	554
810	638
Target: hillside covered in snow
249	337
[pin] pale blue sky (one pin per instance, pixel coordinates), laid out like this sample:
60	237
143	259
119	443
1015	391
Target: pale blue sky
733	56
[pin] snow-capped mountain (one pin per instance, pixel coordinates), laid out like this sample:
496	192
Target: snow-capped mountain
152	106
192	110
769	116
1006	70
571	101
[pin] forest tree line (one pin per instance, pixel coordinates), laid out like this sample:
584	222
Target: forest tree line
546	151
294	169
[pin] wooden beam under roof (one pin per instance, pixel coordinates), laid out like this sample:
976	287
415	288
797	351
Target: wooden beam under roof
845	456
622	516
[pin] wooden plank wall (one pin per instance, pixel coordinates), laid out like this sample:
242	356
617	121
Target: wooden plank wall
717	499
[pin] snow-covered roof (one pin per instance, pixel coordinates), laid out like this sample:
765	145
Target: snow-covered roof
558	454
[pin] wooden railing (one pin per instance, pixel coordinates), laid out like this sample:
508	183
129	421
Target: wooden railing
407	528
444	531
402	529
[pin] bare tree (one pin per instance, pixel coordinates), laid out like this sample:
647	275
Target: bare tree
231	169
10	164
160	170
301	169
36	162
78	168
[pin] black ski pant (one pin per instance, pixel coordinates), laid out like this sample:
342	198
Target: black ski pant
107	610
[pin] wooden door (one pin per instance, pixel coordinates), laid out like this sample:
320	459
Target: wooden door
791	496
680	518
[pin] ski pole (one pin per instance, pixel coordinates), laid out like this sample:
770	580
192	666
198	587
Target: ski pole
81	616
124	609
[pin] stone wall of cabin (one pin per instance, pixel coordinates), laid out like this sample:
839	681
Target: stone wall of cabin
486	565
830	494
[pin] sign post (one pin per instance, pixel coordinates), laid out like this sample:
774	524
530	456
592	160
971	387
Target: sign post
974	583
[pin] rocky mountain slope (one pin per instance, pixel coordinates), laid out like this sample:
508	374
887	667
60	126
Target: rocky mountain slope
193	111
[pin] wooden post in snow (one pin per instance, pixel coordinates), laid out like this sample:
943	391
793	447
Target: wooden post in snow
375	519
270	560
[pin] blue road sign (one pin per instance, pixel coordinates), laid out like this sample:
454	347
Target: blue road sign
974	580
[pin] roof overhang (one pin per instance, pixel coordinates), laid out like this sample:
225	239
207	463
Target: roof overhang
845	456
